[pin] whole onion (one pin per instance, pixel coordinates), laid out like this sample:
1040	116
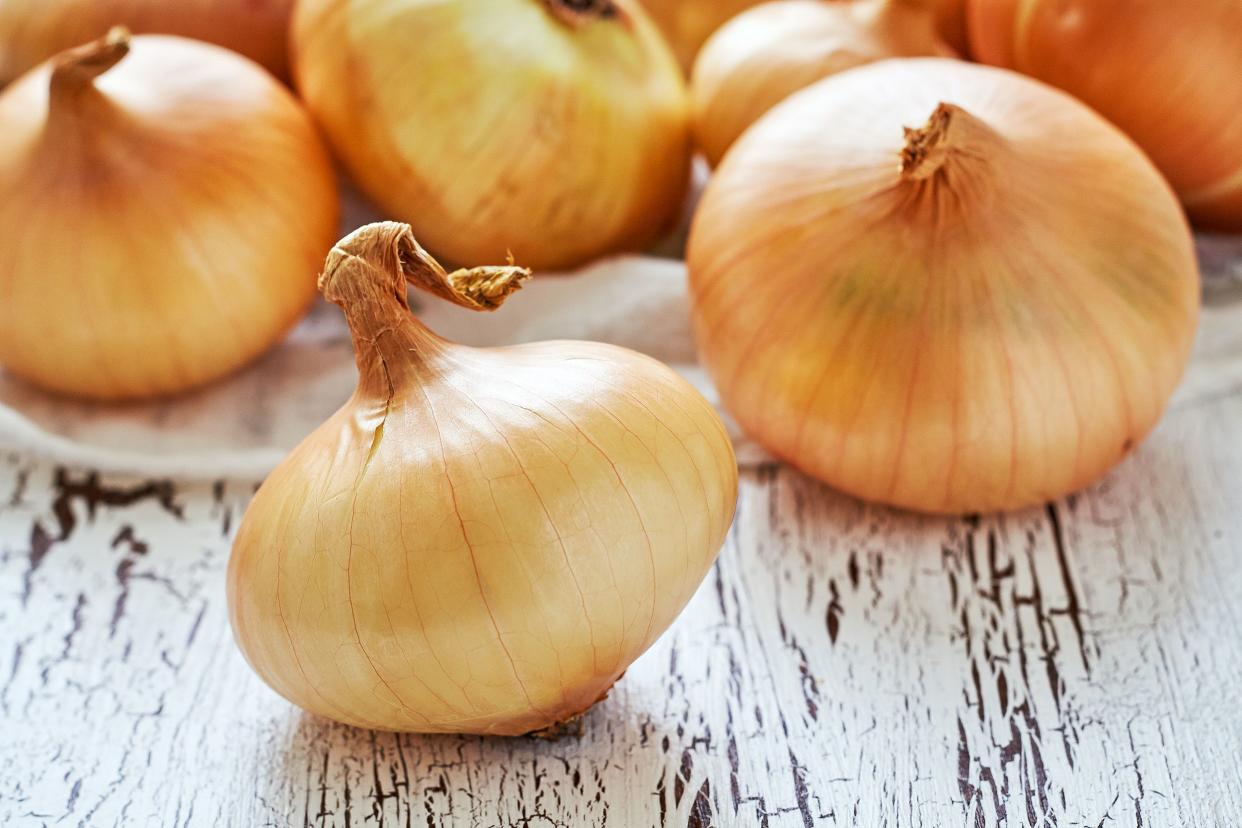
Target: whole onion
764	55
166	203
942	286
553	130
33	30
480	540
1168	74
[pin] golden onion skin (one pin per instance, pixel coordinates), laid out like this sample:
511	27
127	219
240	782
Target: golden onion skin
502	126
479	541
162	225
764	55
1166	73
33	30
985	313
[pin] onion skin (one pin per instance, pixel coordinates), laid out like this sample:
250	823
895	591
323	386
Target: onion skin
942	286
764	55
167	204
32	31
480	540
1166	73
687	24
513	126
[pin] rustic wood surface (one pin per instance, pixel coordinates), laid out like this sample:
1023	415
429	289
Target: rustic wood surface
1078	664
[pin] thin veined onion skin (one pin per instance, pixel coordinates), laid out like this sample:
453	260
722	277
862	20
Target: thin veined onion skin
687	24
167	204
480	540
1166	73
764	55
942	286
32	31
500	127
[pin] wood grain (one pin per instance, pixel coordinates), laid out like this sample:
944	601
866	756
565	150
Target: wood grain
1071	665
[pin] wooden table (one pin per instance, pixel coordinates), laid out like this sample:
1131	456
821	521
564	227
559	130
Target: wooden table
1078	664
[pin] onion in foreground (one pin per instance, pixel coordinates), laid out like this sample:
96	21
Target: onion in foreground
555	130
764	55
32	31
166	204
1168	74
942	286
480	540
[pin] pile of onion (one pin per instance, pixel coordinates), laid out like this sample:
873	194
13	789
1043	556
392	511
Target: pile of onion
33	30
1169	74
555	130
762	56
166	203
942	286
479	541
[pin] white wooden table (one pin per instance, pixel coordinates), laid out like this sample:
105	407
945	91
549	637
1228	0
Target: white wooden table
1078	664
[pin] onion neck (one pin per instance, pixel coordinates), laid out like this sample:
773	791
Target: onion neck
72	87
951	142
366	273
578	13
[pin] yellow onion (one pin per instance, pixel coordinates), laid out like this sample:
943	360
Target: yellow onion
687	24
942	286
762	56
555	130
33	30
1169	74
166	204
480	540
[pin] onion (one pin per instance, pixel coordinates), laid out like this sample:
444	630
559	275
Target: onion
166	203
1166	73
982	312
762	56
689	23
557	130
950	18
33	30
480	540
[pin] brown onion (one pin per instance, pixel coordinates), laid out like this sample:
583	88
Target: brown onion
1168	73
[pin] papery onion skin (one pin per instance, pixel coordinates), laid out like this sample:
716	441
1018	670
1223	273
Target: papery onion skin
500	127
480	540
1166	73
687	24
32	31
764	55
163	219
980	313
